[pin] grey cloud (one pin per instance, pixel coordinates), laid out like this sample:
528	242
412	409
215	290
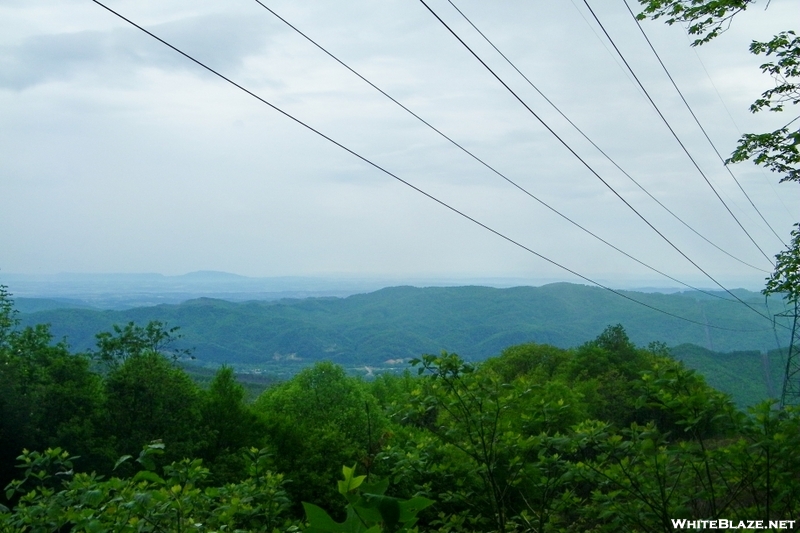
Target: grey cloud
222	41
47	57
122	166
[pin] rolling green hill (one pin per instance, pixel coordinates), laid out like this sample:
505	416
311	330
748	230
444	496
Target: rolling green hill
402	322
748	376
382	329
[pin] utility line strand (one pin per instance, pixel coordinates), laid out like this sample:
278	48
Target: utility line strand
733	121
602	42
675	135
588	139
697	121
401	180
482	162
589	167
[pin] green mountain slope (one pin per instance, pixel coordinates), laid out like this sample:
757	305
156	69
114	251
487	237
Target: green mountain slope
402	322
748	376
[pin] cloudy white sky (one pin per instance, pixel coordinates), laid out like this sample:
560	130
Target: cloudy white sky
119	155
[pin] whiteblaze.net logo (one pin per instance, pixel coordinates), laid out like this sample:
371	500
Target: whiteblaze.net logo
722	523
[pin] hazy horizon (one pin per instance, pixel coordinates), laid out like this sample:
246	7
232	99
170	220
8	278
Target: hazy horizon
211	278
118	155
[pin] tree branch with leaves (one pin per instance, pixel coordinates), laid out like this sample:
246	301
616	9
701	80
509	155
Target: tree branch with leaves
778	150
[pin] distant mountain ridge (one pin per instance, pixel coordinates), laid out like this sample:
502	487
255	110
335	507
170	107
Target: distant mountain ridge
125	291
403	322
121	291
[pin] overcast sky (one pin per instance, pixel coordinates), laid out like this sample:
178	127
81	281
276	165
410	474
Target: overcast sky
119	155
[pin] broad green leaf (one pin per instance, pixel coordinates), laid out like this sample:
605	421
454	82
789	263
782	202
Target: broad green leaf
389	508
350	483
147	475
320	520
410	508
122	460
378	487
92	497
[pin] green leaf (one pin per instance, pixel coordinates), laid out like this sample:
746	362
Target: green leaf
147	475
122	460
320	520
349	483
379	487
388	507
92	497
410	508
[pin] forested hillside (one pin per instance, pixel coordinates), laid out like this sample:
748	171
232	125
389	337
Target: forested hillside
403	322
749	377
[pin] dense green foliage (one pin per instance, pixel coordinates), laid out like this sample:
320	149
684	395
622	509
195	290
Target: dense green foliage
403	322
318	421
368	509
178	500
605	437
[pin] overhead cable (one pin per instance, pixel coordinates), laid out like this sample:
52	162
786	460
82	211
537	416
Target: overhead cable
735	125
482	162
590	141
675	135
697	121
586	164
403	181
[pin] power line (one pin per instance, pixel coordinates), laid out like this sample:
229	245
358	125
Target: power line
401	180
608	157
705	134
733	121
675	135
583	161
481	161
597	36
